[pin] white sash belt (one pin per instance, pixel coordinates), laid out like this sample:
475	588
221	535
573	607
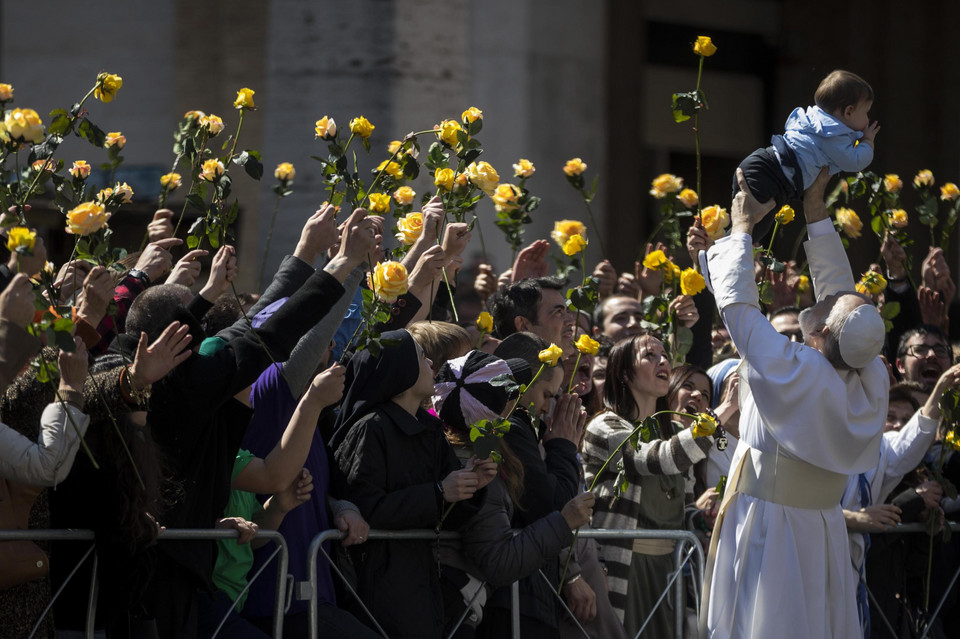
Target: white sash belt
790	482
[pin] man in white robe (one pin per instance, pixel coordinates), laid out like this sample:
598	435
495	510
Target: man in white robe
812	414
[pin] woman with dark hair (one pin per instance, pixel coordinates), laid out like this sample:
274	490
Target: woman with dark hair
638	379
401	473
488	550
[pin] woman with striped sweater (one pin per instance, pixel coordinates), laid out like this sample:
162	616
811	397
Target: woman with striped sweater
638	377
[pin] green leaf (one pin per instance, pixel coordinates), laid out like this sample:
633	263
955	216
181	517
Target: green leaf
196	202
59	121
876	224
890	310
684	341
253	164
683	106
92	133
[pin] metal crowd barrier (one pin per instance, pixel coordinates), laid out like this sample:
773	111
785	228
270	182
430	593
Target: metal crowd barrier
683	538
170	535
915	528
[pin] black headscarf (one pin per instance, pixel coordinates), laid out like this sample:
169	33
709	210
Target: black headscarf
372	380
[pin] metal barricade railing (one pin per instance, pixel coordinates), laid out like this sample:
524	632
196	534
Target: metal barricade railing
682	537
916	528
170	535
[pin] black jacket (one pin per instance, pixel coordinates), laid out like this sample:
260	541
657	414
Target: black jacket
392	462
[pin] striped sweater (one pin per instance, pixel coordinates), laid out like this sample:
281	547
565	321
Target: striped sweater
659	457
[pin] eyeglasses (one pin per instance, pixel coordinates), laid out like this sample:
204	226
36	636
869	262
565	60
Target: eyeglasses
924	350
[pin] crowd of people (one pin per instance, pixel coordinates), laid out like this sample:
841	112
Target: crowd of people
212	410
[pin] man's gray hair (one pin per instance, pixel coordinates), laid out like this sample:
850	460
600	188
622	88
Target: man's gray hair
155	309
836	318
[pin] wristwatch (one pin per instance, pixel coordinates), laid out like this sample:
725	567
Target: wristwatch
140	276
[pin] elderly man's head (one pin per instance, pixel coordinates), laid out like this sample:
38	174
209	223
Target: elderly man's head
823	328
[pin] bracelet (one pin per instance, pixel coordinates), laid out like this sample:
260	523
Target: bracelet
573	580
132	394
896	279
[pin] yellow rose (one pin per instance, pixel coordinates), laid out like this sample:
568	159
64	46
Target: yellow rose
898	218
784	215
392	169
444	179
48	165
212	123
574	167
872	283
952	440
394	147
671	272
361	126
563	229
171	181
379	203
409	228
245	99
21	240
689	198
212	169
587	345
665	184
123	190
550	355
194	115
849	222
714	221
574	245
87	218
483	176
655	260
691	282
24	125
285	172
103	195
704	425
505	197
523	168
923	178
326	128
704	46
892	183
115	138
460	182
949	191
404	196
472	115
485	322
388	281
80	170
107	87
447	131
803	284
6	92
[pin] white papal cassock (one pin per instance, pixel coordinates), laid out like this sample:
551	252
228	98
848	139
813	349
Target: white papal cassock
782	561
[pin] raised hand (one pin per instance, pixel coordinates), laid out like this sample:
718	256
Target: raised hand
685	310
160	227
223	270
73	367
607	276
156	260
16	301
187	269
531	261
567	420
428	269
95	296
319	233
578	511
456	236
327	387
485	283
152	362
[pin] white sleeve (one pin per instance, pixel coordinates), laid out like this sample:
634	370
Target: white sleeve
48	461
904	451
